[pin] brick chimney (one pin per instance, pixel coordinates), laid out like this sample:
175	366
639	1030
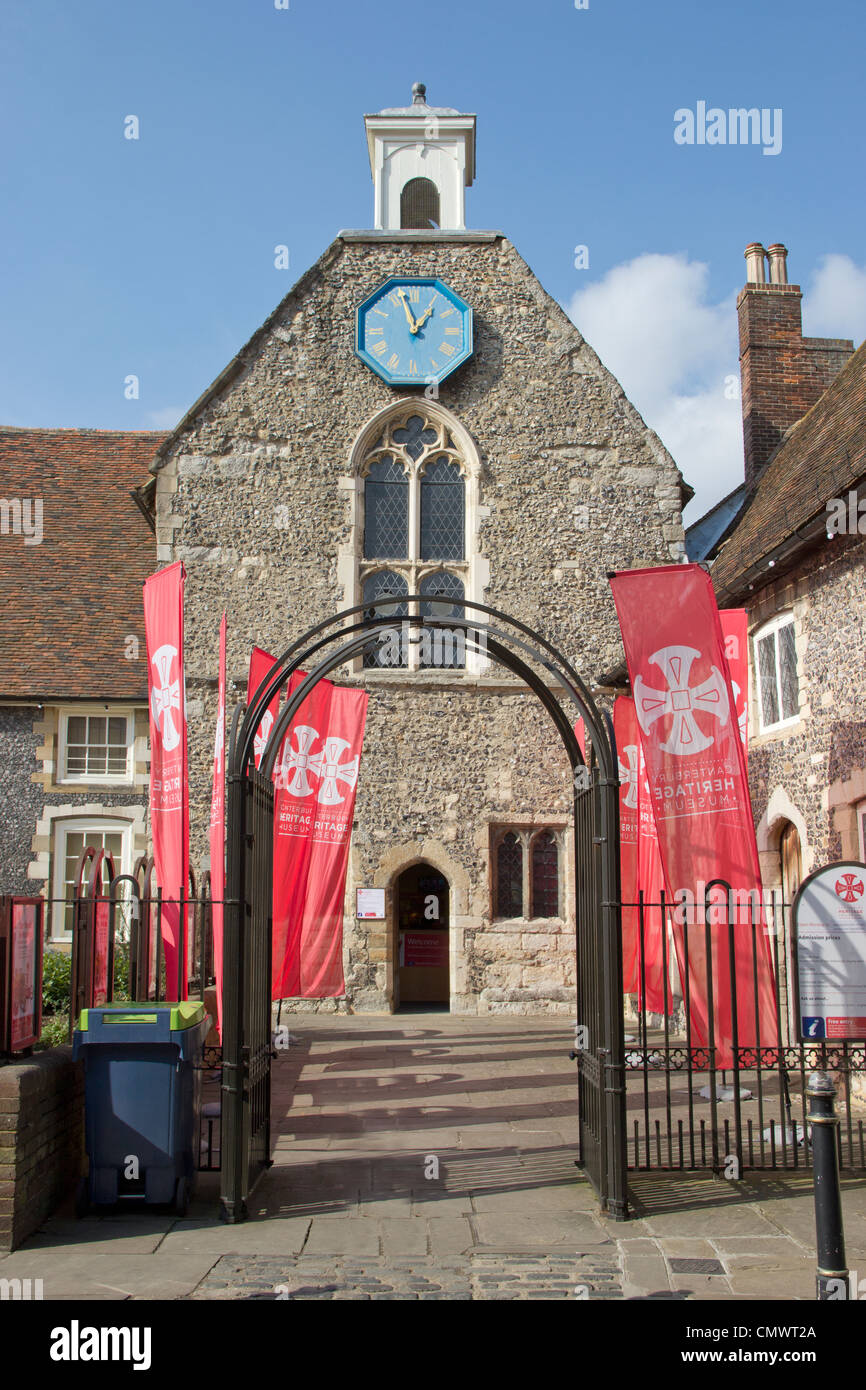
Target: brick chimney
783	374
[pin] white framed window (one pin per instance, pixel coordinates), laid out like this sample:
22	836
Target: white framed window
775	662
95	745
71	837
861	828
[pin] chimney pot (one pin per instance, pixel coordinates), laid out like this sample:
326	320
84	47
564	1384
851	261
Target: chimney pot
778	255
755	264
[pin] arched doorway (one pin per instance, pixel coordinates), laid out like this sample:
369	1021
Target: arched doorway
791	856
422	972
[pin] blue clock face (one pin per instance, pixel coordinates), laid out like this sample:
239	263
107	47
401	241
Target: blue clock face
412	332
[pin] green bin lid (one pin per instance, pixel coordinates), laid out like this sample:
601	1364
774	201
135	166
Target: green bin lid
184	1015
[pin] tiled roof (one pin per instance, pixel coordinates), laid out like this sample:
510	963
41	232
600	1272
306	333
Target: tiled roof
820	458
69	604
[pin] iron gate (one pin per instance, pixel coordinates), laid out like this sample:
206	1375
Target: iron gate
248	924
685	1111
599	1038
246	1086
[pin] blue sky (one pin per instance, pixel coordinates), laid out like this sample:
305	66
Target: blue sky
155	257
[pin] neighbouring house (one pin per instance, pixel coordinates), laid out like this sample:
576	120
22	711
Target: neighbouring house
76	544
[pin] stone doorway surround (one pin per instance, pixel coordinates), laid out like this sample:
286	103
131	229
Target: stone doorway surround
383	935
422	898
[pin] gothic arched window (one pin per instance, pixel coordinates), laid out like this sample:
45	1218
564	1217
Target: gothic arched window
414	480
544	883
419	205
509	877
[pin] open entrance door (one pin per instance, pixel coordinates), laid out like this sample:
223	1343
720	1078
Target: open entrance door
422	975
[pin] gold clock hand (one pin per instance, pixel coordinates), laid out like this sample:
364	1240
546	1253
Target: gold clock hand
426	314
413	326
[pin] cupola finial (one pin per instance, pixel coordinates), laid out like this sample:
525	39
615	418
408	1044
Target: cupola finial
419	94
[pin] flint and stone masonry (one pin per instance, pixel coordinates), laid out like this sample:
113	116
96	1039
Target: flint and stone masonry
259	493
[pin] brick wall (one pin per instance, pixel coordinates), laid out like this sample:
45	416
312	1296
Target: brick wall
783	374
41	1139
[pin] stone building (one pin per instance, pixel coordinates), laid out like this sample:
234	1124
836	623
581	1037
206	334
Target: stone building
795	558
309	478
498	461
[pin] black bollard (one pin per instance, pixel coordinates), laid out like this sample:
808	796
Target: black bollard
832	1279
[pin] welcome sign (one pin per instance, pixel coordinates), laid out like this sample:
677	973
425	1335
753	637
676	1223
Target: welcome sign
830	952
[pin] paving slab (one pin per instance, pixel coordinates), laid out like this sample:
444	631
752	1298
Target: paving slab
449	1235
403	1236
512	1232
280	1235
330	1237
707	1222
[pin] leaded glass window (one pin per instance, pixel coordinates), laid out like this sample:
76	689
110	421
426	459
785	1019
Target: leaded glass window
414	484
415	437
386	510
776	668
443	522
444	647
382	591
545	876
509	877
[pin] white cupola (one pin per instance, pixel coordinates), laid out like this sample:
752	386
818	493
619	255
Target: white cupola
422	159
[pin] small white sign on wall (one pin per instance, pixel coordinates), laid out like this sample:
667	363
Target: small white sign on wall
371	903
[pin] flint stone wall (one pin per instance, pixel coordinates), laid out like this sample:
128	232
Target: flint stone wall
254	494
814	772
21	801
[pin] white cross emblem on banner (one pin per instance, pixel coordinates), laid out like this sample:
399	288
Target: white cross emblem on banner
681	701
331	771
165	697
261	739
628	774
326	766
741	718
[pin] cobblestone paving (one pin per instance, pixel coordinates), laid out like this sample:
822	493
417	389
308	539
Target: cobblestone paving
476	1276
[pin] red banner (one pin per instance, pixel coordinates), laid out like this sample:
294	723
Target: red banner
640	867
650	881
697	775
315	780
735	630
261	664
218	827
169	790
625	733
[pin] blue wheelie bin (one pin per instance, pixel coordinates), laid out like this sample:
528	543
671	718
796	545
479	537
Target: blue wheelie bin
142	1101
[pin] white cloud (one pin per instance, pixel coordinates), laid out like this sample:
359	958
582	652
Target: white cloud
652	324
166	417
834	305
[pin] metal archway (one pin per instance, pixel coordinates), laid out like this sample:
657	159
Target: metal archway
247	929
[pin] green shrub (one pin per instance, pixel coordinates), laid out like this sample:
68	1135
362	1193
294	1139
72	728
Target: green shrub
55	1031
56	977
121	970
